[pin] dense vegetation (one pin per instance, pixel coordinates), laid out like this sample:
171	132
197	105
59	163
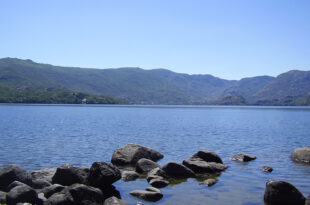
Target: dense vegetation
51	96
158	86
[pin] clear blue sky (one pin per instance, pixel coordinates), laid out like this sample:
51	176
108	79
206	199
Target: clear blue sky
228	39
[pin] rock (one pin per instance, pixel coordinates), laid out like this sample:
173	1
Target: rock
22	193
102	175
281	192
177	170
210	182
153	189
147	195
84	195
158	183
114	201
200	166
131	153
243	157
2	197
12	173
50	190
301	154
42	197
266	169
39	183
208	156
14	184
143	166
67	175
44	174
156	173
110	191
129	176
61	198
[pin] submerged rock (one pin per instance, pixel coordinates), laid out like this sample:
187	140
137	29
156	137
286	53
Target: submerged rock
200	166
151	194
177	170
301	154
266	169
281	192
143	166
114	201
131	153
208	156
129	176
159	183
243	157
210	182
12	173
67	175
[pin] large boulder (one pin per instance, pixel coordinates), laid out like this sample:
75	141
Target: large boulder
281	192
60	198
301	154
143	166
208	156
131	153
110	191
150	194
39	183
22	193
102	175
114	201
43	174
12	173
129	176
67	175
84	195
200	166
177	170
243	157
50	190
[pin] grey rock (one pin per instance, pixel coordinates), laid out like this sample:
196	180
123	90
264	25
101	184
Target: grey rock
42	197
153	189
12	173
210	182
301	154
114	201
200	166
129	176
266	168
131	153
2	197
43	174
243	157
281	192
67	175
157	173
159	183
177	170
22	193
84	195
208	156
147	195
14	184
143	166
50	190
102	175
61	198
39	183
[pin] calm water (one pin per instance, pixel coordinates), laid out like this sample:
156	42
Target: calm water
38	136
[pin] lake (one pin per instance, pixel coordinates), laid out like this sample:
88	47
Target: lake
46	136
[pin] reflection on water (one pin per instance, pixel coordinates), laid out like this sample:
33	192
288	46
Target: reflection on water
39	136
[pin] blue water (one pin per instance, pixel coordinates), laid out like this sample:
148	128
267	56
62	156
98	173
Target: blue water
41	136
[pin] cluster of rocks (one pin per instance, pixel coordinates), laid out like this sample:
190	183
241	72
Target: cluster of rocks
81	185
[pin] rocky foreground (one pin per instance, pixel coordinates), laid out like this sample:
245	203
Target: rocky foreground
69	184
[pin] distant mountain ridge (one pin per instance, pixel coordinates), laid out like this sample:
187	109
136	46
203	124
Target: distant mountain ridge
158	86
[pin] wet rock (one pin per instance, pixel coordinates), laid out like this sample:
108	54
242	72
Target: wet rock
84	195
131	153
266	169
143	166
129	176
12	173
200	166
2	197
114	201
110	191
153	189
43	174
208	156
210	182
147	195
159	183
301	154
281	192
22	193
102	175
50	190
156	173
39	183
243	157
177	170
67	175
61	198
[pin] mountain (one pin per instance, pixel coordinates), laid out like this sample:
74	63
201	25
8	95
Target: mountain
157	86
